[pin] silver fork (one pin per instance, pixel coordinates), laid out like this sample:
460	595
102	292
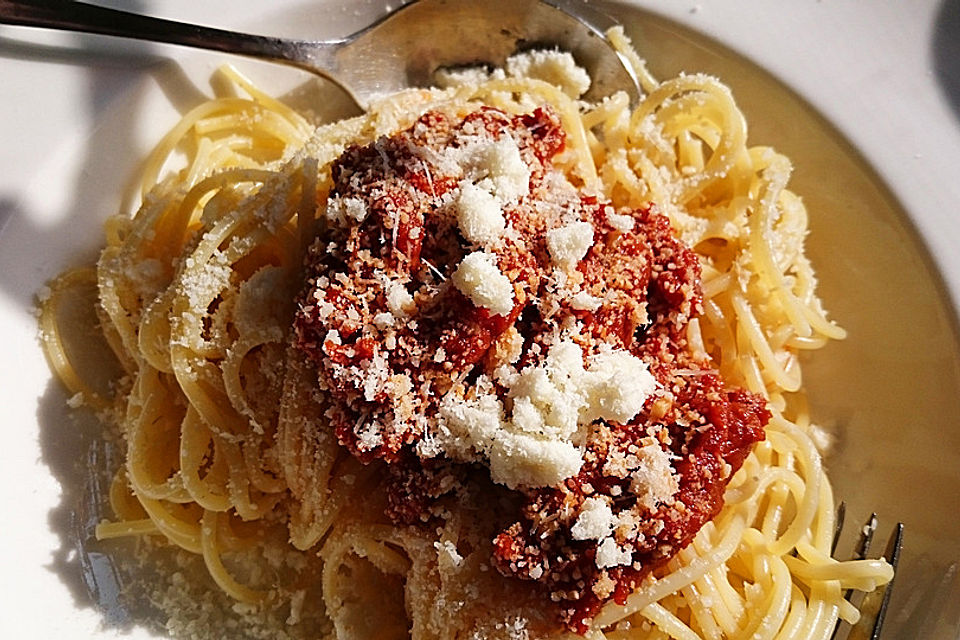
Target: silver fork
401	50
873	606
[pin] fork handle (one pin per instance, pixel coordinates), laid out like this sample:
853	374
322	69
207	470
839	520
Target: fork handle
80	16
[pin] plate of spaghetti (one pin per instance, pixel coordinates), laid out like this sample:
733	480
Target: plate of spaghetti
489	361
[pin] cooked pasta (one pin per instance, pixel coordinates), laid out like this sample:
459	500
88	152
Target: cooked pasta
219	412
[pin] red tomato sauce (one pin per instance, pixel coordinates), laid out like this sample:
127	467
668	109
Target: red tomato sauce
386	369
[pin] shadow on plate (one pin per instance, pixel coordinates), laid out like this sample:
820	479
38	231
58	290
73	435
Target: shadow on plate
97	574
103	575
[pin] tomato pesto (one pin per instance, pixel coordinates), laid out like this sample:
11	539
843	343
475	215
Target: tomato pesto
470	310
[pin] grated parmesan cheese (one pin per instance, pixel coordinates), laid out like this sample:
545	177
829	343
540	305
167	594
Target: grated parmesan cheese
399	300
596	520
383	320
621	222
521	459
609	554
495	166
539	443
369	437
569	244
479	279
202	283
447	77
654	480
619	385
344	211
583	301
554	67
479	215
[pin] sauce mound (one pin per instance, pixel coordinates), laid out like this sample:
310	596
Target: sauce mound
471	311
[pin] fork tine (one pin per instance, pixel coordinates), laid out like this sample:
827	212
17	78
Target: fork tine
867	603
866	537
838	527
863	544
892	554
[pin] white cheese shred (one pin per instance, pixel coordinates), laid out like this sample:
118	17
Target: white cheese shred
479	279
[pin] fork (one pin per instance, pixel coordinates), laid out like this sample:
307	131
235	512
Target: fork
401	50
873	606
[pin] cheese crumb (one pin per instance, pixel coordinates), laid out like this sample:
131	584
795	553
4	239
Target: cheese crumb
604	587
520	459
479	215
555	67
569	244
479	279
447	77
346	211
609	554
538	444
495	166
596	520
583	301
654	481
621	222
619	386
399	300
369	437
383	320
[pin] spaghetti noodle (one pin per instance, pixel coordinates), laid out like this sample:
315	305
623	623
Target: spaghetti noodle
219	411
